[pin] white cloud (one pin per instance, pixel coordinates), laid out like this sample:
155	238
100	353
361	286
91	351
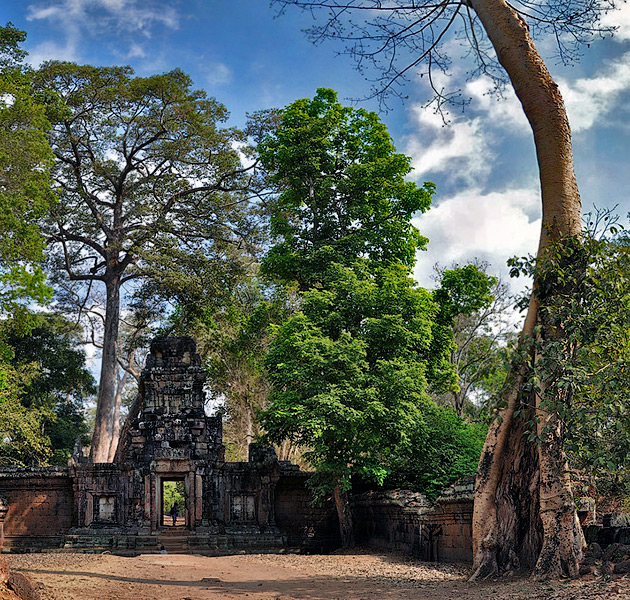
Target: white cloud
129	15
620	18
464	147
505	111
461	147
79	18
136	51
588	100
218	73
51	50
490	226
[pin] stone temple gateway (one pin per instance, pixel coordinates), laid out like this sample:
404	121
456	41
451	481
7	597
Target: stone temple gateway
167	438
262	505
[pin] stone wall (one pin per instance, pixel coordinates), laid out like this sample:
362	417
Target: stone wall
262	504
44	513
305	527
41	506
406	521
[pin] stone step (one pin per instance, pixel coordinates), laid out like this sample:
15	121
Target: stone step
173	543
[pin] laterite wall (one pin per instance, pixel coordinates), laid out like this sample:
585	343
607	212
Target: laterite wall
407	522
305	526
41	501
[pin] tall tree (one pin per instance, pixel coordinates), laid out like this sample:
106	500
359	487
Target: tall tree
342	192
349	370
25	195
591	304
521	475
25	190
143	167
59	382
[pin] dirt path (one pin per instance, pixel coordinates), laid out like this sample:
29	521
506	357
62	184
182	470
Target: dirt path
358	576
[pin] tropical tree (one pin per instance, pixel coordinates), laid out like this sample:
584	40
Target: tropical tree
22	441
342	192
25	195
442	449
25	191
349	369
481	312
143	168
588	277
349	376
59	383
526	478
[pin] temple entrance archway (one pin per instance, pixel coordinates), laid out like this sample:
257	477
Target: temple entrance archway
173	504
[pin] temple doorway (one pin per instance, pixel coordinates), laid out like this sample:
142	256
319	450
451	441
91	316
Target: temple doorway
173	509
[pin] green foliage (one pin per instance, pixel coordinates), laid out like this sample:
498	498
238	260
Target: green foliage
173	492
25	190
22	441
59	383
463	291
349	369
443	449
147	175
25	195
349	394
476	308
341	191
584	291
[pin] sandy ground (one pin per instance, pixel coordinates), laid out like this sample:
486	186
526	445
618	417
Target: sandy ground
343	576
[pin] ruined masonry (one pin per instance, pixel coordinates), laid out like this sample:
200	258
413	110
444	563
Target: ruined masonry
260	505
263	505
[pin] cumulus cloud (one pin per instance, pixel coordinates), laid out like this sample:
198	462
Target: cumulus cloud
590	99
48	50
120	18
505	111
619	18
218	73
490	226
128	15
464	147
461	147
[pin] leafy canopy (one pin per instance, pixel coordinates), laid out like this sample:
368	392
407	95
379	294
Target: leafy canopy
349	369
25	190
144	169
341	189
348	373
585	286
59	383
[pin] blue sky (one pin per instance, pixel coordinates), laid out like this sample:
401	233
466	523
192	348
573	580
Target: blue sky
487	202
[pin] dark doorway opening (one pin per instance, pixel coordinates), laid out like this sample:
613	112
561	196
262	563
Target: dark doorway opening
173	503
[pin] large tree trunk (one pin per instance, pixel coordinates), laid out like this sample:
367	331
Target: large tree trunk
113	443
524	514
106	402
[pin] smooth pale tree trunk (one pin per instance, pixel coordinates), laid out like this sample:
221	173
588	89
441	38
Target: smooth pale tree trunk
105	407
113	444
346	527
524	515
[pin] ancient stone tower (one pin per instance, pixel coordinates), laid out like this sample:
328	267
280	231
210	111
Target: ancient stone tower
171	424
